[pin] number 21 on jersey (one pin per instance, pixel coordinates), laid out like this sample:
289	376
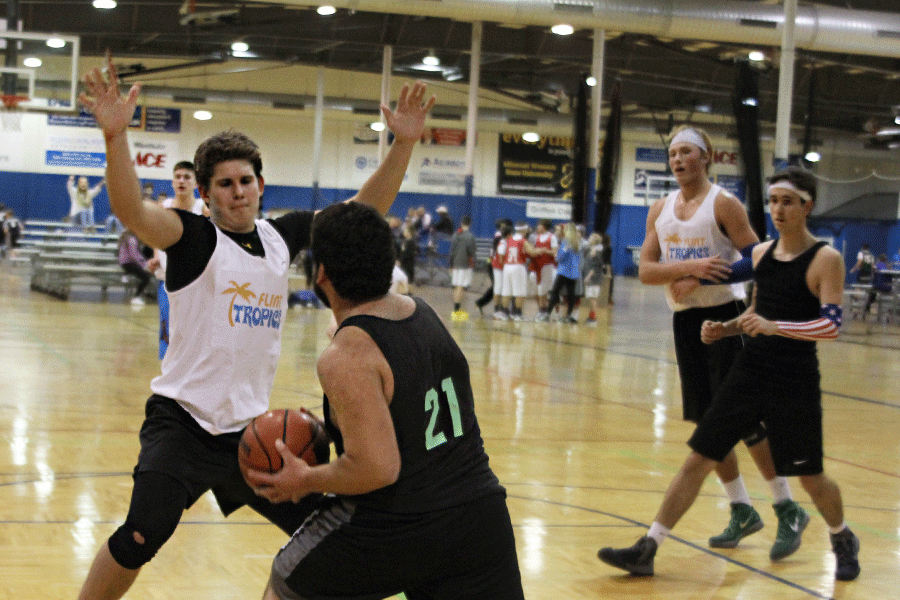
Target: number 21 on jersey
433	399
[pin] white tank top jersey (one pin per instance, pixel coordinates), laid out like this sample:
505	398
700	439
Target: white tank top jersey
225	334
698	237
197	209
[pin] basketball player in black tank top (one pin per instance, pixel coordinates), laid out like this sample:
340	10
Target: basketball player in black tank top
800	284
412	504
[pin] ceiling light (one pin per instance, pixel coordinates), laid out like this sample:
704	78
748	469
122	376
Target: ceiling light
749	102
453	75
531	137
897	120
202	115
376	126
591	81
562	29
240	46
431	60
704	108
32	62
326	10
756	56
107	4
813	156
56	42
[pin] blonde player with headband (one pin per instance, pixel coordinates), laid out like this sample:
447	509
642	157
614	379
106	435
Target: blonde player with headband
691	248
799	287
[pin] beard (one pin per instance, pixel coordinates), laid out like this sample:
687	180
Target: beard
320	294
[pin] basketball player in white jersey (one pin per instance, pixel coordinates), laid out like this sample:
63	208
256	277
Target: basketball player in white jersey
695	240
227	280
184	184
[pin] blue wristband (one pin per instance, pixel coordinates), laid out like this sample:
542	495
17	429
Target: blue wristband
742	270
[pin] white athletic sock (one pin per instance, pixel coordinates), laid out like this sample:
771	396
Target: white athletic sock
833	530
658	532
737	491
781	491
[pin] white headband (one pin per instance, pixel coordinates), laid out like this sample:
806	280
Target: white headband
690	136
784	184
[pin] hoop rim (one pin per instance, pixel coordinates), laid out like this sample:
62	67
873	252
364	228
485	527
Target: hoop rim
12	101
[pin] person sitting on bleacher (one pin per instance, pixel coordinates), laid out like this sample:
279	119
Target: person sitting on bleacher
881	281
134	263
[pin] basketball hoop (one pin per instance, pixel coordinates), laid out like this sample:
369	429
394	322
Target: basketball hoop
11	114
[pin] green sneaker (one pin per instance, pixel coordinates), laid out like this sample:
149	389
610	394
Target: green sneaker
792	520
744	521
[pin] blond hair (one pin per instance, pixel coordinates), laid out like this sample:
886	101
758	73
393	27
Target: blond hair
702	134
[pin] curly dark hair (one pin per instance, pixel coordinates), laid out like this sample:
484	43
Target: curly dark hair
801	178
354	245
227	145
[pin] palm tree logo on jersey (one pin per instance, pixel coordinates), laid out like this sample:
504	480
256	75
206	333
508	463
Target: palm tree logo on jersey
237	290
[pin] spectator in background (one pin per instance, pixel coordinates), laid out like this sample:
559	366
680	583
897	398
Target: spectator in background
607	263
147	192
865	264
11	230
543	265
568	271
444	223
593	274
881	282
82	197
409	251
494	266
462	259
895	261
132	261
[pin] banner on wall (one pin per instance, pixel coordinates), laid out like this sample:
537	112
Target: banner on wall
555	211
444	136
651	185
152	119
152	158
542	168
661	155
734	184
437	171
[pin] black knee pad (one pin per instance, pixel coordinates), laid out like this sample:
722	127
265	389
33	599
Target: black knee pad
127	551
756	436
157	503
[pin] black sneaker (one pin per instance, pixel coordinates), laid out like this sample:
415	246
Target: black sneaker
845	546
637	560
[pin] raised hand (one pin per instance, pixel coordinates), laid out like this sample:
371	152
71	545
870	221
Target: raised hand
103	99
407	120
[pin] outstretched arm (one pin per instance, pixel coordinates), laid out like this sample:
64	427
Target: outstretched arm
407	122
154	225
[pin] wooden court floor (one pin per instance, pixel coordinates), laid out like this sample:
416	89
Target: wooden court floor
582	424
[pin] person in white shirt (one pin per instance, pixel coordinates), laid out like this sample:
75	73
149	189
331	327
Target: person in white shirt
184	183
227	279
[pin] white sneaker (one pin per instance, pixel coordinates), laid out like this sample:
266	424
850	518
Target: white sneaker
138	301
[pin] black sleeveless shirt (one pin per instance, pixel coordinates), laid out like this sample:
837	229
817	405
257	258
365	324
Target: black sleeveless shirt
442	458
783	295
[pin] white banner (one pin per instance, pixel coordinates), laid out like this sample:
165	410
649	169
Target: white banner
556	211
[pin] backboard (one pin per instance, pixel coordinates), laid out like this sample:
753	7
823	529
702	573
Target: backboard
41	66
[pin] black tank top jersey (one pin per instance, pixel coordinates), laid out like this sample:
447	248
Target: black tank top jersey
783	295
443	461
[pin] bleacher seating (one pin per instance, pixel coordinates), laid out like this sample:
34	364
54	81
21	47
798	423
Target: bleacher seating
61	256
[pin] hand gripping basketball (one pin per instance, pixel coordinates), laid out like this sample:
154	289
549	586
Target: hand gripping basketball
300	431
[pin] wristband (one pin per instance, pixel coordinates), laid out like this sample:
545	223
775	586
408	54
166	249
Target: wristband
823	328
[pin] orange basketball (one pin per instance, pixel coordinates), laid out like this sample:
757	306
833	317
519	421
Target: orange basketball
301	431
